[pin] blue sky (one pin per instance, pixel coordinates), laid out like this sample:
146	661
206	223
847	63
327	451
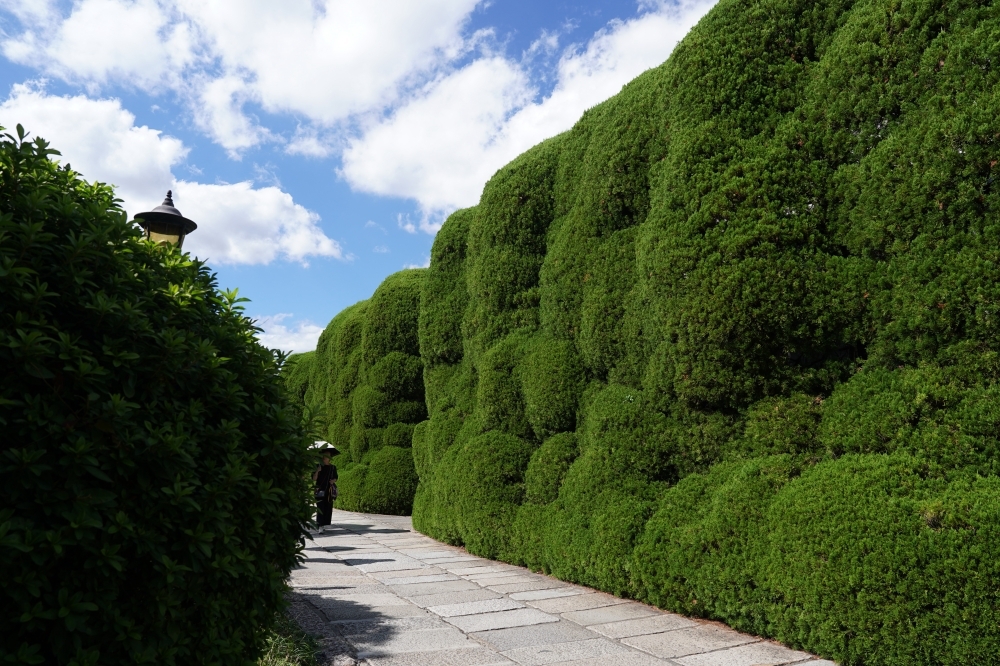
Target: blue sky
319	144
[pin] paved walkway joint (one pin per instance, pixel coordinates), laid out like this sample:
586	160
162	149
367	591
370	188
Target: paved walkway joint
376	593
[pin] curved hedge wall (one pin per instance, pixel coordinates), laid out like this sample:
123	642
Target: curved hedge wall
151	493
730	345
364	382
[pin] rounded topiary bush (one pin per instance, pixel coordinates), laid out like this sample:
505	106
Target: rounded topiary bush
884	559
391	481
151	471
384	482
489	475
548	466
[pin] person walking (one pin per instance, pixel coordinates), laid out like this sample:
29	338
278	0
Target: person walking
325	478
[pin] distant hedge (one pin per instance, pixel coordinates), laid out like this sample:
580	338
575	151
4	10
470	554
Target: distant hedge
151	494
731	345
365	383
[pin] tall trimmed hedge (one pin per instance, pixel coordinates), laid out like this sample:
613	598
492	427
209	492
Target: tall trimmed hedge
730	345
364	383
151	493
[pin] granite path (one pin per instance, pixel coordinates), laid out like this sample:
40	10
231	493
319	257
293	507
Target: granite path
376	593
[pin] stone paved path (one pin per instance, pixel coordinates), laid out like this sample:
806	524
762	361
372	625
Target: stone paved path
377	593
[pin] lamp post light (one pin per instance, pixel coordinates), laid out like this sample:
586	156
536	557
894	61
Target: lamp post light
165	224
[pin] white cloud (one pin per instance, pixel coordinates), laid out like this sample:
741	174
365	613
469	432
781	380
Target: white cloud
298	338
33	11
359	50
426	264
131	41
310	142
380	249
99	139
324	59
423	127
238	224
443	145
433	149
219	112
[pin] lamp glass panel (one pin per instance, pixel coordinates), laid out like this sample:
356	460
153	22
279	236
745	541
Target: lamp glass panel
159	232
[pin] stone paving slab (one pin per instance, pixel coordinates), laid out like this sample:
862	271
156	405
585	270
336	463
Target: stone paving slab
427	640
629	659
539	634
553	653
375	593
387	625
408	580
552	593
326	581
369	600
386	576
498	576
474	607
425	600
437	553
462	570
753	654
655	624
500	620
576	602
335	591
368	564
684	642
461	657
507	588
417	589
336	611
324	568
606	614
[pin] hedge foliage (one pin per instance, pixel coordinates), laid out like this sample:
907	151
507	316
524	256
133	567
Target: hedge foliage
151	494
364	383
730	345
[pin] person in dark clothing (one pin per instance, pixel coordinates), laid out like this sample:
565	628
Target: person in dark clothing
326	491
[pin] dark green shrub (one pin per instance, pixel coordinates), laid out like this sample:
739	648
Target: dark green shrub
699	553
548	467
296	373
487	484
884	559
399	435
552	380
384	482
782	425
334	376
151	470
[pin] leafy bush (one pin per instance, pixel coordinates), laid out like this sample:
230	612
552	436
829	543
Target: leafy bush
151	471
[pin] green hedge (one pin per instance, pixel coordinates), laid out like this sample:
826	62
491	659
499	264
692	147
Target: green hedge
364	383
730	344
151	494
